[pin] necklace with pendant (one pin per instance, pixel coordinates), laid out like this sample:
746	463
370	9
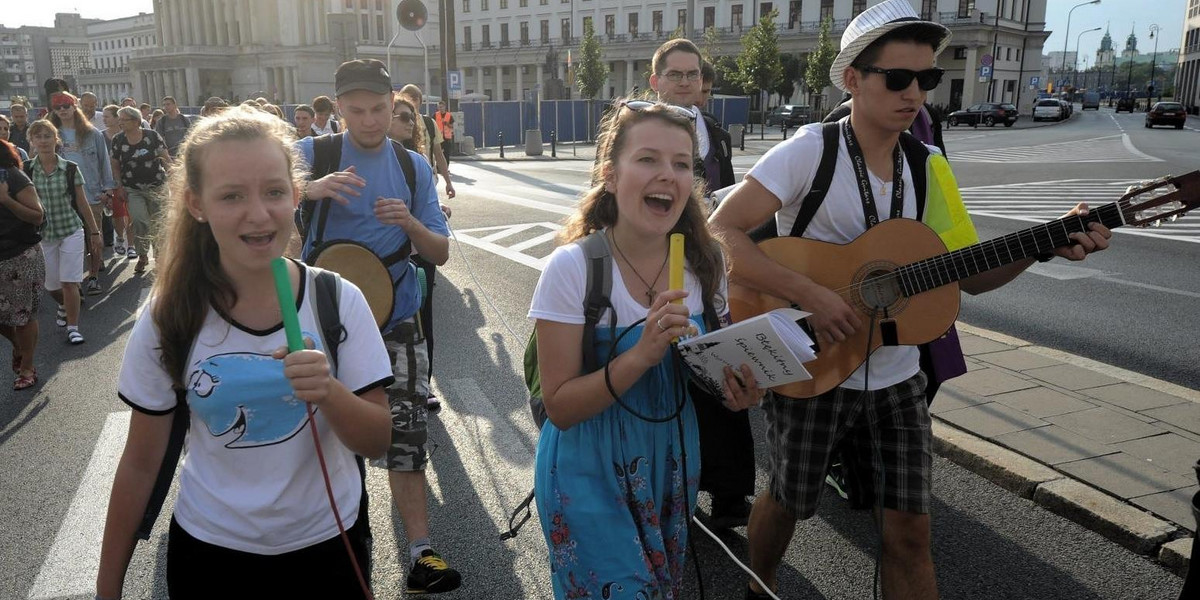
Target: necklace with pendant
650	291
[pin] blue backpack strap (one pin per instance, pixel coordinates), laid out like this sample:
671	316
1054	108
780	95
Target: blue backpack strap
598	258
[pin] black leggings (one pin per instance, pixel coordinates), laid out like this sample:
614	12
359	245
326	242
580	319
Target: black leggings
197	569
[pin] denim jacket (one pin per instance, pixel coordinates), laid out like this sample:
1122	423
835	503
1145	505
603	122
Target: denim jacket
94	165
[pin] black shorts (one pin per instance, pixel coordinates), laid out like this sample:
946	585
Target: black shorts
197	569
802	435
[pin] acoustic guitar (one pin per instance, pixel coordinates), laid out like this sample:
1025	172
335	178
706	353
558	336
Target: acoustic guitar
899	276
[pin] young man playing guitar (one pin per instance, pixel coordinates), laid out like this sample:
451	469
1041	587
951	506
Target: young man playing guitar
887	63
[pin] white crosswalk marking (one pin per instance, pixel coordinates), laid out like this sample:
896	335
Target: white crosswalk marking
1107	149
515	251
1042	201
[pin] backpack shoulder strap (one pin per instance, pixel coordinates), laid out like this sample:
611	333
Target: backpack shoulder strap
327	157
410	178
599	286
326	287
824	177
916	154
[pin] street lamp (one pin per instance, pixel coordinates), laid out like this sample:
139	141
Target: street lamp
1067	34
1077	49
1154	29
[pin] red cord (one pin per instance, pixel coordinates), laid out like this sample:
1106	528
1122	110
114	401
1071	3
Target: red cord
312	426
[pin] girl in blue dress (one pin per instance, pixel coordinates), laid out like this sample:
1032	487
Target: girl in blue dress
612	493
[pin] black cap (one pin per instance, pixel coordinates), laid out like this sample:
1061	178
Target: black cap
367	74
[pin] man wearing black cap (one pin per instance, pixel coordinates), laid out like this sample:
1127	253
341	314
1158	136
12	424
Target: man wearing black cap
887	63
372	202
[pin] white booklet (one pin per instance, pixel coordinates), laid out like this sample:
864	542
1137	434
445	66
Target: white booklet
773	344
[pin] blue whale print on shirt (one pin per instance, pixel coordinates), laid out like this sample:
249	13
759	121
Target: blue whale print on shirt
245	395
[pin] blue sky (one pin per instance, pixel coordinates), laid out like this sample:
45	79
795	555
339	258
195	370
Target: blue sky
1120	15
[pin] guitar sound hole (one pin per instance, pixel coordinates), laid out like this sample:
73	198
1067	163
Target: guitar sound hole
878	291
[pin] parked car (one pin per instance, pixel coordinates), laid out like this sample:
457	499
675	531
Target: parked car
1166	113
1068	107
1048	108
1125	103
793	115
1090	100
988	113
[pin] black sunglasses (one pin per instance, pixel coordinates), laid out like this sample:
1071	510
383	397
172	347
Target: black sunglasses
404	117
641	105
898	80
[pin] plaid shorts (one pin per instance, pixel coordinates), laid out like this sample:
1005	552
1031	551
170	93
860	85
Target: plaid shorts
802	435
408	396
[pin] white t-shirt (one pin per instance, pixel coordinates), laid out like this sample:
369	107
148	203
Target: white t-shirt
787	171
560	292
702	142
328	128
251	480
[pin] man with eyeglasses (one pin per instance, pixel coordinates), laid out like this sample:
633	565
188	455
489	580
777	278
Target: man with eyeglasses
726	443
887	63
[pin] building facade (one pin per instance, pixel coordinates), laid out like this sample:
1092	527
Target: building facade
111	45
508	47
285	50
17	63
1187	73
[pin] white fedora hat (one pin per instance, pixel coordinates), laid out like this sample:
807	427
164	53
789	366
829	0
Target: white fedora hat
869	26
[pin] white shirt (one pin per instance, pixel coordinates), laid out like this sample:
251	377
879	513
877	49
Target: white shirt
328	128
702	142
787	171
251	480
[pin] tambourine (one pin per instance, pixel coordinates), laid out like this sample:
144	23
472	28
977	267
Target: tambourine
358	265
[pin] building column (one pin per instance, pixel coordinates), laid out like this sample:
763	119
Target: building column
160	87
971	77
221	22
629	68
176	18
207	25
541	75
159	26
520	82
289	84
191	83
499	83
194	24
479	80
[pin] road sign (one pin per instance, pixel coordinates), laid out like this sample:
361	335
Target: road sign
985	71
1035	81
454	84
986	60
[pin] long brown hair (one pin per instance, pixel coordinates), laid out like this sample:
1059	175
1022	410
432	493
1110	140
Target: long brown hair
598	207
190	280
417	142
83	124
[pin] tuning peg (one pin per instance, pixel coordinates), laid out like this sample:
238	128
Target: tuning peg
1156	223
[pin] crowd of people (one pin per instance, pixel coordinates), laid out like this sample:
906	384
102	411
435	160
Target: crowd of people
628	439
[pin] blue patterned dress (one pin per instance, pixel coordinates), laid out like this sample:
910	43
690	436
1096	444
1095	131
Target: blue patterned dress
610	491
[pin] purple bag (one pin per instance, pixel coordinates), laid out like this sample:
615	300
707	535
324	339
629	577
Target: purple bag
944	357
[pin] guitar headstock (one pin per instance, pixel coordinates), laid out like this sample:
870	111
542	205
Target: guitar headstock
1164	199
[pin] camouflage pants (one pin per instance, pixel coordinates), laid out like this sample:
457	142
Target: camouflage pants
407	397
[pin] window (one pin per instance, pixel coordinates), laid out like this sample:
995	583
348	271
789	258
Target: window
927	8
1008	54
965	8
656	21
960	53
466	6
1018	55
735	16
486	36
710	16
587	22
366	26
545	31
610	25
633	24
524	33
524	3
794	14
504	35
765	9
543	2
379	32
857	7
379	5
467	37
826	9
681	20
503	4
349	4
483	5
565	32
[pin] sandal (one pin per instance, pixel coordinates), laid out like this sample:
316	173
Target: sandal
140	267
60	317
24	382
75	337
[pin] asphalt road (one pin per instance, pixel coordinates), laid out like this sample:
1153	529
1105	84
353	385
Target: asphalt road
58	445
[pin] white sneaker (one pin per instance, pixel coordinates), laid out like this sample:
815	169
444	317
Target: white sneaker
119	247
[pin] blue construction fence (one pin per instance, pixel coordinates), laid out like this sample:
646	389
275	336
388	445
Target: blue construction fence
569	120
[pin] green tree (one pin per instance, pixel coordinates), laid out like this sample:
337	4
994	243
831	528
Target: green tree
786	86
592	71
759	66
816	75
708	50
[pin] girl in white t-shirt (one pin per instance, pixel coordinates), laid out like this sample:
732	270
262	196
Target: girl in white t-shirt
615	491
252	504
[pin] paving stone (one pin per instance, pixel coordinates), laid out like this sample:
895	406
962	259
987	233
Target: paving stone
1133	397
1053	445
1169	451
1018	360
999	465
1174	506
1115	520
948	398
991	419
1042	402
1185	416
1105	425
1071	377
1177	555
988	382
1124	476
973	344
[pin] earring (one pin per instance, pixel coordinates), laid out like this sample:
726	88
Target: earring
201	219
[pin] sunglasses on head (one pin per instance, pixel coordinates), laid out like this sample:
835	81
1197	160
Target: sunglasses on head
404	117
898	80
641	105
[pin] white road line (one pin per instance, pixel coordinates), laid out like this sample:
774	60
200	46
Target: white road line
529	243
1071	272
74	559
505	251
1129	146
527	203
507	231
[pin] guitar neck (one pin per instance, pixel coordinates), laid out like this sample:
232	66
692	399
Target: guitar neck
925	275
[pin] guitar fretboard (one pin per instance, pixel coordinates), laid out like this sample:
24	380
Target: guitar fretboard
925	275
